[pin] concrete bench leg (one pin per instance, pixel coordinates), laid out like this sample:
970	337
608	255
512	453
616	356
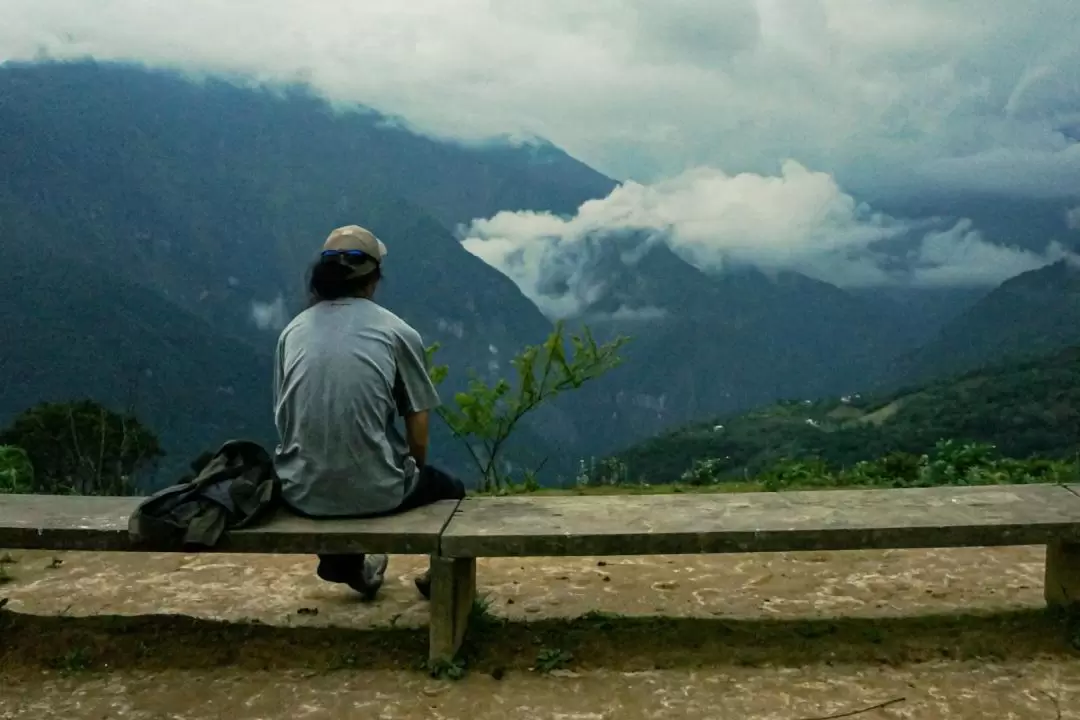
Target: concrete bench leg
1062	588
453	589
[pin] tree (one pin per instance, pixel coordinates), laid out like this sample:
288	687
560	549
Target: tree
484	416
16	471
82	448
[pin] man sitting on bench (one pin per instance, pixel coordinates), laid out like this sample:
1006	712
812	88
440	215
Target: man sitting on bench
343	369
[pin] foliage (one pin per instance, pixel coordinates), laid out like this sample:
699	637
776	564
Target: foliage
16	470
703	472
485	415
608	471
949	463
1026	410
550	659
82	448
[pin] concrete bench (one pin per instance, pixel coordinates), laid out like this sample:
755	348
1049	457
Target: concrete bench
456	534
942	517
67	522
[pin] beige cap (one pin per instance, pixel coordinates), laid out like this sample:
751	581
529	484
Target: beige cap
354	237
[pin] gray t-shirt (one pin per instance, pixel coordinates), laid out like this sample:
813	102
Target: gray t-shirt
343	370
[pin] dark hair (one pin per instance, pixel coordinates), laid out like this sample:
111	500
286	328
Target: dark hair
332	279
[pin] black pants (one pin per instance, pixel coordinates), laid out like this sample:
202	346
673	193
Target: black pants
432	486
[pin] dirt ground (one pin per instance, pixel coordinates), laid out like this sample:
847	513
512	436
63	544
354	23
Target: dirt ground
930	634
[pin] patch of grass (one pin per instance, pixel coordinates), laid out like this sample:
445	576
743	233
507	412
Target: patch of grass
484	626
480	615
78	659
5	560
447	669
667	489
552	659
345	660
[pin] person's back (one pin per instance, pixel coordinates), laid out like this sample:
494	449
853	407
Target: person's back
342	363
345	369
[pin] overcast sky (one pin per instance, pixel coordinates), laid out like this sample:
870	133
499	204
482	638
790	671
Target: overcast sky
885	97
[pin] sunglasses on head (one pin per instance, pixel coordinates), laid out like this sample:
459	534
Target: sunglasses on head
355	254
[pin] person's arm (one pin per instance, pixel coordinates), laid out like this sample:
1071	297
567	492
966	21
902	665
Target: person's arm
414	392
279	370
416	434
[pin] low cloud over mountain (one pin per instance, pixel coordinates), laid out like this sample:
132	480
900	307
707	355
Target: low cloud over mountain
799	220
917	96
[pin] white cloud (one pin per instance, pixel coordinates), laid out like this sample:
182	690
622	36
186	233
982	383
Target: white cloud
960	256
1072	218
270	315
911	94
799	220
1011	171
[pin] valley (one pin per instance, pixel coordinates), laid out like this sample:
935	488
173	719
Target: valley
179	220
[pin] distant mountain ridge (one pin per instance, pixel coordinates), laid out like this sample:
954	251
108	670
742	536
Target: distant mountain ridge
1032	314
705	344
1026	409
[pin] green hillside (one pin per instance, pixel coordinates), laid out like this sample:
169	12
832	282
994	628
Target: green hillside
1028	316
1027	409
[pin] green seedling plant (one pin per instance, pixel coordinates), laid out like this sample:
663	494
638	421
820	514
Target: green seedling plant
485	415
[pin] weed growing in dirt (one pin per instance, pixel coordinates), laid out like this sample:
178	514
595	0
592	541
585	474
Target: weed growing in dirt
480	616
552	659
75	660
481	620
447	669
5	576
347	659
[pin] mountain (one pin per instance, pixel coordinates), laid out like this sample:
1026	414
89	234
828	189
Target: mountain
1029	315
75	332
186	216
921	311
1026	409
188	213
705	344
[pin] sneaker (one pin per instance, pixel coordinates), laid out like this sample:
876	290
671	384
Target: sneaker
364	574
371	576
423	584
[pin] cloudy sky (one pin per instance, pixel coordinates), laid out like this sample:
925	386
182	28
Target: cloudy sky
774	102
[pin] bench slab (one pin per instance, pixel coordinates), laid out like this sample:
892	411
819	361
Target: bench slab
70	522
763	522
